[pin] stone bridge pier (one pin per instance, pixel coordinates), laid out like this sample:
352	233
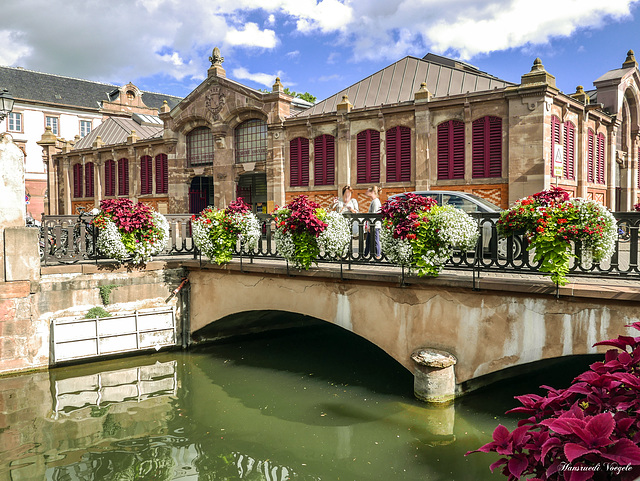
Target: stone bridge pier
447	334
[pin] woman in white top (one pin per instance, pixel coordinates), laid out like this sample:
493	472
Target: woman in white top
373	236
348	205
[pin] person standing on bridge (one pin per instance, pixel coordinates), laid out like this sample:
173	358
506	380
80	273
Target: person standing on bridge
348	205
373	231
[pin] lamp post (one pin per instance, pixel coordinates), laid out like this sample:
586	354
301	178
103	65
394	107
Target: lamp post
6	104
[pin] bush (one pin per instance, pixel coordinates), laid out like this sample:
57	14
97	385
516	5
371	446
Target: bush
97	311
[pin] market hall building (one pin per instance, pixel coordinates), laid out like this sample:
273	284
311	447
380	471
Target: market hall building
429	123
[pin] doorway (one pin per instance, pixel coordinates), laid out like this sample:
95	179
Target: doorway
200	194
253	190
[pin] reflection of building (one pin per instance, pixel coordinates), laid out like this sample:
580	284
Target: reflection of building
70	108
430	123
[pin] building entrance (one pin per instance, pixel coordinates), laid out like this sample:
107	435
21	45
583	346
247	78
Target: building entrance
200	194
253	190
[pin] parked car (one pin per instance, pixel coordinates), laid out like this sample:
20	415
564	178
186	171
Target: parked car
471	203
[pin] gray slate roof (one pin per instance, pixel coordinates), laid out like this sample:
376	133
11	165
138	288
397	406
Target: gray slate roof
115	130
400	80
67	91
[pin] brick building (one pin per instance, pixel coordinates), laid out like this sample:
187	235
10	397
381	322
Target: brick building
430	123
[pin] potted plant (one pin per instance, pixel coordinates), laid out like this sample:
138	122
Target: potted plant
304	230
552	221
419	233
216	232
128	231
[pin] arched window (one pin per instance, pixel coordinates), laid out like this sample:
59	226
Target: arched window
109	178
299	162
451	150
555	139
162	174
599	175
368	156
123	177
398	154
569	151
200	147
251	141
88	179
324	160
486	156
77	180
146	175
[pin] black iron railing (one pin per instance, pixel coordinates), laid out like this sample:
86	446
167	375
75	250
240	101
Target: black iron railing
71	239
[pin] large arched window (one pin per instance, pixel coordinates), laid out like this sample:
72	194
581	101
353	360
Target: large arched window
299	162
368	156
77	180
398	154
487	147
555	140
146	175
200	147
109	178
324	160
88	179
162	174
569	151
451	150
251	141
123	177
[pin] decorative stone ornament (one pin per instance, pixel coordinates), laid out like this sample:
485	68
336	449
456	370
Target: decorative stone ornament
434	378
216	58
214	101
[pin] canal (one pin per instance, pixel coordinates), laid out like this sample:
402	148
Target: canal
314	403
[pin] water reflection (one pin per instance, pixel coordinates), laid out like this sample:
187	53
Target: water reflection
303	405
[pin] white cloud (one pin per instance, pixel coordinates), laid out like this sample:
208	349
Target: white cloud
251	36
293	54
266	79
271	20
13	49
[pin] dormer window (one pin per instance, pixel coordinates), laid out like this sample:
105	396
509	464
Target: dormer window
131	95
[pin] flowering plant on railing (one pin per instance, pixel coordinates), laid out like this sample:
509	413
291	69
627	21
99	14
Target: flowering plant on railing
589	431
552	221
216	232
417	232
130	231
304	230
636	207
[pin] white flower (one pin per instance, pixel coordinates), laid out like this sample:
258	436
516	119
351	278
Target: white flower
334	239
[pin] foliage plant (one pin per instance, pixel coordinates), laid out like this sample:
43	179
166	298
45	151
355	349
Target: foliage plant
97	311
589	431
552	221
105	293
216	232
418	232
304	230
130	231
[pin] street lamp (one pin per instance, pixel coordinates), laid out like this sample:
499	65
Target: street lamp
6	104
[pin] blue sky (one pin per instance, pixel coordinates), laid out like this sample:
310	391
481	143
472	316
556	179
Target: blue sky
319	46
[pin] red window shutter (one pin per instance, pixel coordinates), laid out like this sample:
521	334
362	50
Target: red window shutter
494	168
405	154
299	162
109	178
146	175
361	161
123	177
555	138
368	156
443	151
569	150
162	174
478	148
77	180
590	157
457	154
398	154
88	179
324	160
600	160
392	155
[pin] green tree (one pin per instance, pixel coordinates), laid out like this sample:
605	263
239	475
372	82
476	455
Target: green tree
304	96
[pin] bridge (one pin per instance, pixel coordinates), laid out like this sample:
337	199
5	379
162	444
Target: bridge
487	313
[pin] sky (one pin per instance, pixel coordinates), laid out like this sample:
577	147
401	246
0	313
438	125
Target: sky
315	46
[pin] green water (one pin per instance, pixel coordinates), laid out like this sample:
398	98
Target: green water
306	404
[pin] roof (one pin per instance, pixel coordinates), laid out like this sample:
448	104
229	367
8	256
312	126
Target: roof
35	86
115	130
400	80
615	74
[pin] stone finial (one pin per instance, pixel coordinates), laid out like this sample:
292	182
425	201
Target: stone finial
97	143
133	138
48	137
580	95
216	60
630	62
165	107
423	93
344	106
277	87
538	75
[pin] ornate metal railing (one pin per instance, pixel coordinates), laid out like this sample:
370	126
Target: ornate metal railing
70	239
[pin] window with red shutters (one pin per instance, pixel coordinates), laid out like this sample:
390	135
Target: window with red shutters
486	136
324	160
162	174
600	160
555	139
123	177
591	158
368	156
146	175
451	150
569	150
109	178
88	179
398	154
299	162
77	180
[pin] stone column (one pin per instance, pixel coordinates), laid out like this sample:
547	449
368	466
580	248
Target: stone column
48	144
611	166
98	175
423	174
434	378
66	172
343	147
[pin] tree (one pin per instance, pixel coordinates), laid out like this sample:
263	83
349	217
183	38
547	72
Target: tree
304	96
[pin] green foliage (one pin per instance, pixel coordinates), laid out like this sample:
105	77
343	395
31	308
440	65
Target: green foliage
554	255
222	233
307	249
105	293
304	96
97	311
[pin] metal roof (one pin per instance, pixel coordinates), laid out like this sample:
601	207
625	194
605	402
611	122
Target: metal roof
400	80
34	86
115	130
